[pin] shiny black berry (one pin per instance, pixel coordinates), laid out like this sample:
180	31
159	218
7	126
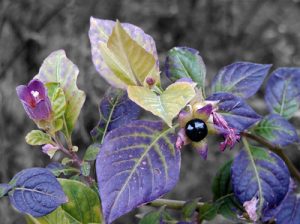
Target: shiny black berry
196	130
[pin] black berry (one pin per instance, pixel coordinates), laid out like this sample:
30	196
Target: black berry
196	130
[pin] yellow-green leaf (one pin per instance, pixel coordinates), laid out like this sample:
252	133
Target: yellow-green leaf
57	99
129	61
37	137
168	104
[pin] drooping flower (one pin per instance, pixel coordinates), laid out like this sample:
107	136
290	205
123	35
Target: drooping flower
50	150
251	207
35	100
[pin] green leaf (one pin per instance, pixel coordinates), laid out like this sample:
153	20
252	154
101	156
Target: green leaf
208	211
91	152
57	68
189	209
37	137
57	99
229	206
128	60
183	62
153	217
85	169
168	104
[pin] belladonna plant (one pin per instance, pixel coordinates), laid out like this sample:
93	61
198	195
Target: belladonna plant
137	161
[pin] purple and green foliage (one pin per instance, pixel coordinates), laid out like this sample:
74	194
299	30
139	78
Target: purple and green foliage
36	192
184	62
283	92
238	114
137	163
115	109
241	79
277	130
259	173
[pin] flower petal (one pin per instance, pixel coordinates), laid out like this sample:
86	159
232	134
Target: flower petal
204	113
37	85
25	96
202	148
182	139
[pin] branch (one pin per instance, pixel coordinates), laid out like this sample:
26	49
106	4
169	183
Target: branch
171	204
279	151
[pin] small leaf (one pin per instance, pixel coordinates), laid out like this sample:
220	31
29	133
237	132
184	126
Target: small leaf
85	169
4	189
262	174
277	130
115	109
208	211
99	33
189	209
168	104
137	163
91	152
57	68
184	62
83	205
37	137
153	217
283	92
36	192
57	98
241	78
58	125
237	113
57	169
229	207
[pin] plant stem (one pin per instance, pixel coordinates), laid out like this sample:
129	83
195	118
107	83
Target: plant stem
171	204
279	151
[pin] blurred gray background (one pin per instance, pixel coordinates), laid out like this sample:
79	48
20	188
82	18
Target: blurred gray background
224	31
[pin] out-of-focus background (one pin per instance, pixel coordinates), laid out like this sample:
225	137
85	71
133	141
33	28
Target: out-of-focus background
224	31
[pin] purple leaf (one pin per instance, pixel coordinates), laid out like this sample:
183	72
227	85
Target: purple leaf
137	163
283	91
262	174
237	113
4	189
36	192
184	62
277	130
241	78
115	109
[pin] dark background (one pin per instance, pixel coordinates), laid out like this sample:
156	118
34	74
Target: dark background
224	31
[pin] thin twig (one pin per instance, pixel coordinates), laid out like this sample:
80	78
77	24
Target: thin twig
276	149
171	204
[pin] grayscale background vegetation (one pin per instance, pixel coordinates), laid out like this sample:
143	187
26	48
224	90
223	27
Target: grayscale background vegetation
224	31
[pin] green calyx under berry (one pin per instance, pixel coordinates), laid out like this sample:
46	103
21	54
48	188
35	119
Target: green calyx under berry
196	130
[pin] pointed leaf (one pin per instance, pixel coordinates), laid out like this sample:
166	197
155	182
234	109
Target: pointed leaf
283	92
37	137
84	203
168	104
229	207
137	163
184	62
115	109
262	174
277	130
36	192
59	69
241	78
189	209
99	33
235	111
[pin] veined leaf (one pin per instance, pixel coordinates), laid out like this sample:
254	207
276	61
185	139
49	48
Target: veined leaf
137	163
277	130
283	92
184	62
241	78
168	104
262	174
115	109
99	34
37	137
57	99
59	216
58	68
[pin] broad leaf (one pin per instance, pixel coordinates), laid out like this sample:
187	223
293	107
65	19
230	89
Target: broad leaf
223	195
235	110
37	137
168	104
59	216
99	34
262	174
58	68
83	205
241	78
277	130
137	163
57	98
36	192
115	109
283	91
184	62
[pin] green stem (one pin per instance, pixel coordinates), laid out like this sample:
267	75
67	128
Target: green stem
171	204
279	151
